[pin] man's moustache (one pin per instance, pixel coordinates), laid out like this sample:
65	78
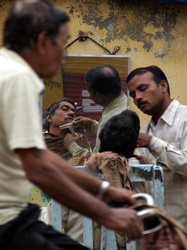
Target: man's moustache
69	119
140	103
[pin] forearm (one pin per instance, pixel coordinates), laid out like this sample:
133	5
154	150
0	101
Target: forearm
94	127
169	156
57	179
69	194
50	173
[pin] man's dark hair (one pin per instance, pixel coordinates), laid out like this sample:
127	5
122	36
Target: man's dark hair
27	19
104	79
51	110
120	134
158	74
56	105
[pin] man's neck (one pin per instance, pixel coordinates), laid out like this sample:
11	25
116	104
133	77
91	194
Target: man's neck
107	102
163	108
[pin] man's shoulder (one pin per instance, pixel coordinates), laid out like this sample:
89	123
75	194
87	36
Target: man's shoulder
11	69
118	105
178	111
182	107
121	99
16	69
12	64
9	64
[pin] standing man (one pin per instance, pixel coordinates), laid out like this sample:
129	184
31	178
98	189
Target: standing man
164	139
61	141
34	40
104	86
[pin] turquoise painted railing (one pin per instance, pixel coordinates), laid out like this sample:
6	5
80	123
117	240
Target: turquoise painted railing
139	173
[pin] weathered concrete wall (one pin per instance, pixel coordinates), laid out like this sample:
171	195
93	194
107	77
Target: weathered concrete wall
150	32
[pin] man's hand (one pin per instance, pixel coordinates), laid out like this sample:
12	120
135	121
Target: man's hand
143	140
125	221
69	139
119	195
82	122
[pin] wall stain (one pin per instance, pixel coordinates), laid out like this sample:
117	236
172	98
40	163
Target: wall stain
144	22
72	9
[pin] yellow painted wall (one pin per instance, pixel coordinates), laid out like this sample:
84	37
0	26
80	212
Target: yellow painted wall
150	32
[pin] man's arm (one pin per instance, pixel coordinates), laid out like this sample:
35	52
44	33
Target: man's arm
70	142
86	123
65	184
165	153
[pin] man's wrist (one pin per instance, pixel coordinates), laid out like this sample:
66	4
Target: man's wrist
102	190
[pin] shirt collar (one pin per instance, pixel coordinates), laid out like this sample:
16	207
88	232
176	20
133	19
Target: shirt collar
169	114
115	102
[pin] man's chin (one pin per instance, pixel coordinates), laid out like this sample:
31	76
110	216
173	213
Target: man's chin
68	121
146	111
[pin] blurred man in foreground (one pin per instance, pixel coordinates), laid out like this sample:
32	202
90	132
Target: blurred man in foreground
34	40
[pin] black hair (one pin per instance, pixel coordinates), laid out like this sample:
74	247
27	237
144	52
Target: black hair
56	105
158	74
27	19
51	110
104	79
120	134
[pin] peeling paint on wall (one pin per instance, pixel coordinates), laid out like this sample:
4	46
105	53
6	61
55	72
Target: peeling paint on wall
147	18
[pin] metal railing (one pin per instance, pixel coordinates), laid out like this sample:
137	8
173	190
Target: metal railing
139	173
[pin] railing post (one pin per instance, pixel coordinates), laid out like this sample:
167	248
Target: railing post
158	183
88	232
56	215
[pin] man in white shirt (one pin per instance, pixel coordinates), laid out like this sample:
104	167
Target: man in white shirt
104	86
164	139
34	39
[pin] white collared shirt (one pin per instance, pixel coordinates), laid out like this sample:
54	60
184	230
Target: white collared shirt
168	147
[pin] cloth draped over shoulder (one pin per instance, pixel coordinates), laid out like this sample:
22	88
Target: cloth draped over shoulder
114	167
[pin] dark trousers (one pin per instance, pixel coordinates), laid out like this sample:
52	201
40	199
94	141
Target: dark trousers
27	233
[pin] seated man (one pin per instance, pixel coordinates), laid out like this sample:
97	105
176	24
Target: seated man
118	142
59	140
67	146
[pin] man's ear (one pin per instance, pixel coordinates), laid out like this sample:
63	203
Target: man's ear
49	117
43	42
164	86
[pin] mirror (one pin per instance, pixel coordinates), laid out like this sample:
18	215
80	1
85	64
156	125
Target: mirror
69	82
